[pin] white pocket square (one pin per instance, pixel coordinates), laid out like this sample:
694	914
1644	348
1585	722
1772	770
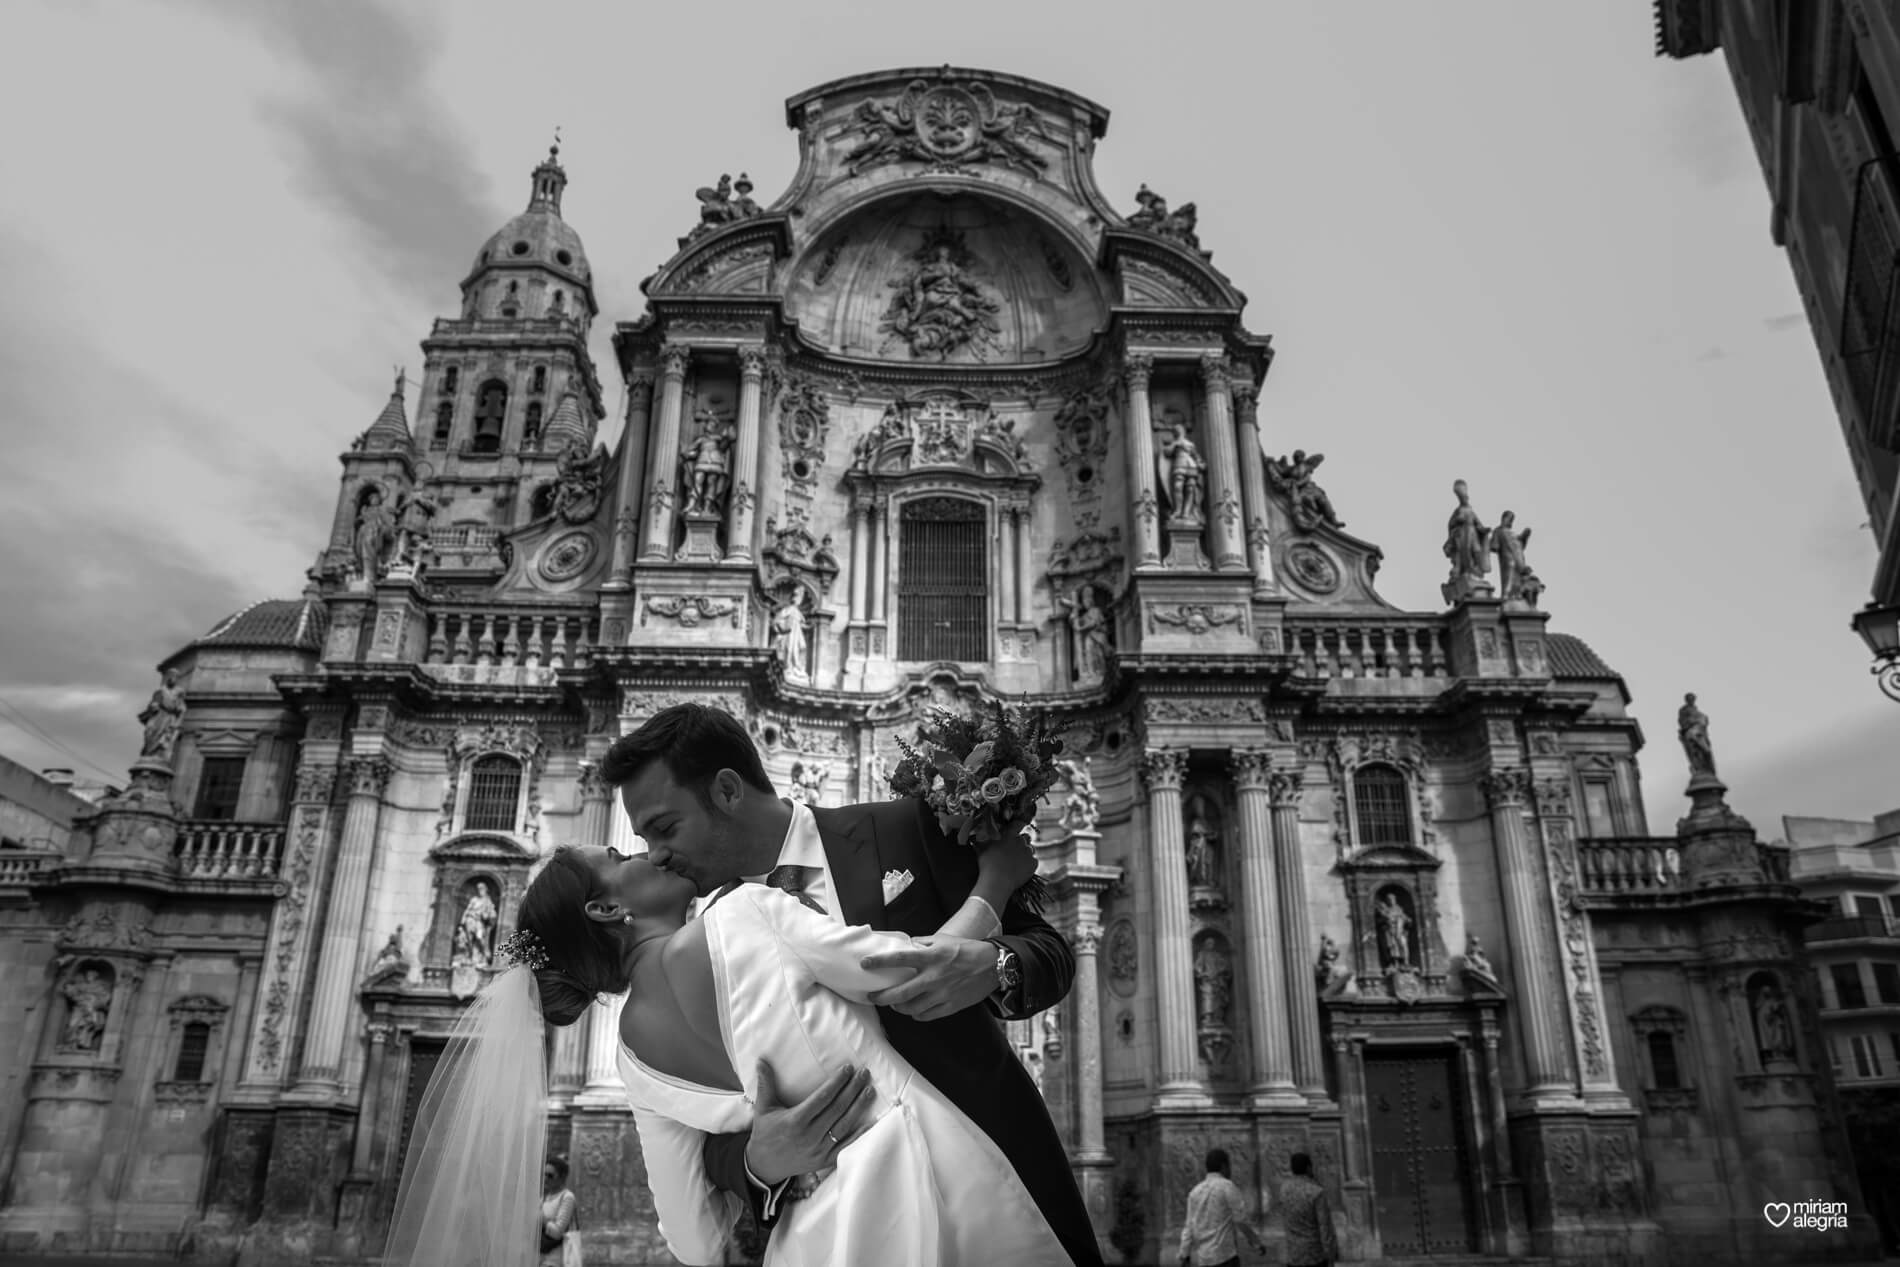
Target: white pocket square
896	882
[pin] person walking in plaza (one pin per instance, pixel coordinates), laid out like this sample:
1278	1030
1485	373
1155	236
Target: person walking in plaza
1310	1238
1215	1210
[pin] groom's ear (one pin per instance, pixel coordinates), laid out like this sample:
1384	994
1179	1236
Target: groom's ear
726	791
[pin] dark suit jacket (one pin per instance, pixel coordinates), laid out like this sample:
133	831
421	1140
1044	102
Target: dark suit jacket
966	1056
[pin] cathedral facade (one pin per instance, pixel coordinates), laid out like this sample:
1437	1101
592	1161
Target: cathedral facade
937	427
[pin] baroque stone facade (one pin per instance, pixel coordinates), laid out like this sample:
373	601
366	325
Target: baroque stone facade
939	425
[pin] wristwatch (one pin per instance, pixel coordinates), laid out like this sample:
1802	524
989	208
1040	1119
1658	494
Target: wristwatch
1009	969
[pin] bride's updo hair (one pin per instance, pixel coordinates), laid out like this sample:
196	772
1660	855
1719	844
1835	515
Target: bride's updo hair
584	959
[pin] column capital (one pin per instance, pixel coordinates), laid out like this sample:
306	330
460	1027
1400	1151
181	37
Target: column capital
1137	367
752	361
639	383
1163	769
1246	402
1214	371
1086	939
1286	787
368	776
673	359
380	1031
1506	788
1253	769
593	787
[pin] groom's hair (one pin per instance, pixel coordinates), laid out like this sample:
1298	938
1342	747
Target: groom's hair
694	742
1300	1164
584	960
1217	1161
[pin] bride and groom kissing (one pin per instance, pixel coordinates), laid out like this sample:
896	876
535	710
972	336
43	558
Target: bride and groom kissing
822	1045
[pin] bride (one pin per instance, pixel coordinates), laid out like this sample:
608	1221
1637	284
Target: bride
759	979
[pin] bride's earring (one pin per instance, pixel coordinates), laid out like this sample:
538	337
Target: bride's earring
627	919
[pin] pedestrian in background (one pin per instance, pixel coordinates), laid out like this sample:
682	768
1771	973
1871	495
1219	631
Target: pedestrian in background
1215	1211
1310	1238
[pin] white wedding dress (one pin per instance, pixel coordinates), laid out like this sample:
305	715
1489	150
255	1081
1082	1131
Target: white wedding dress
922	1186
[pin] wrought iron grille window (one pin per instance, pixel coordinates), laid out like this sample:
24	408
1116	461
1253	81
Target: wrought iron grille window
494	791
1379	799
192	1048
218	784
943	587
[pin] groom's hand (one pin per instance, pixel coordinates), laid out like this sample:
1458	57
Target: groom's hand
800	1138
952	973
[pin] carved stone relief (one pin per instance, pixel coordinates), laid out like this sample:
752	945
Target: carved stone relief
946	126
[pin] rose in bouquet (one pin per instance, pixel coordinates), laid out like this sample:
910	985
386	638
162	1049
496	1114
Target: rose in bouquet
982	776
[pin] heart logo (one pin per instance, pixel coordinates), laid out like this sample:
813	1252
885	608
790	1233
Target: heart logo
1776	1212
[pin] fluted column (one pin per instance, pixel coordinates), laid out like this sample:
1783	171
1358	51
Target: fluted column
1223	485
745	462
597	803
337	963
1253	486
1164	769
1284	789
568	1074
1089	1144
1025	579
1006	563
877	524
1267	1021
1146	510
603	1089
633	465
1540	1010
860	560
664	475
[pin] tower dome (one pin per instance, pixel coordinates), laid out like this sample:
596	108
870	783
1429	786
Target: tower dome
534	265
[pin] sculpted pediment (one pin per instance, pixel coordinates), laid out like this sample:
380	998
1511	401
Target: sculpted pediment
1154	272
739	259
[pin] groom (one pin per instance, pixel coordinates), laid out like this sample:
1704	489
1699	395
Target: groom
889	866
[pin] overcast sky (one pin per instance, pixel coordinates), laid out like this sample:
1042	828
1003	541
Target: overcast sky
1492	241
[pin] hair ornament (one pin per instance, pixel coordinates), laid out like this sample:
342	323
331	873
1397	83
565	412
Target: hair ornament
524	948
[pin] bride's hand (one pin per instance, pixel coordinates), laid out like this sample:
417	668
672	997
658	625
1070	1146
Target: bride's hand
1006	864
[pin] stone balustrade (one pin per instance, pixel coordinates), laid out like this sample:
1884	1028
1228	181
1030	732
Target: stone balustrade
19	868
1387	649
1617	866
218	850
529	639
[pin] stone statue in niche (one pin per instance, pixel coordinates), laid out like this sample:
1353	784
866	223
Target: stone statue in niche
788	640
1088	626
1307	502
1477	967
415	511
1774	1033
479	914
88	999
1468	546
808	780
375	531
1151	215
940	308
1395	925
1182	473
164	717
1516	581
708	466
1203	847
1083	808
1692	727
1213	984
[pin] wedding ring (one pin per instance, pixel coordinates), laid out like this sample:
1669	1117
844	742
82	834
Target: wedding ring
833	1139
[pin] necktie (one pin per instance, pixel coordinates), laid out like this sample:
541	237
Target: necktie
792	879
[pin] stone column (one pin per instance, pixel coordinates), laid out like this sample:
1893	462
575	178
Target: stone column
1223	469
1025	578
745	462
1088	1042
603	1089
633	465
1006	561
877	524
1146	509
1284	789
1264	946
569	1073
860	561
1164	769
1253	488
338	961
289	953
597	806
379	1032
664	474
1540	1010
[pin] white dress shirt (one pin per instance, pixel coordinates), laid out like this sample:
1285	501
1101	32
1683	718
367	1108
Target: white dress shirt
803	847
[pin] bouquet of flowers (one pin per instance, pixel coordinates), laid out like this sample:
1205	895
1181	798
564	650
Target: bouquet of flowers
982	776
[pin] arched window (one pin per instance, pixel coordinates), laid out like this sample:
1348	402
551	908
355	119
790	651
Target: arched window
491	410
193	1045
531	429
1380	806
560	301
494	794
450	377
943	592
1662	1060
444	419
540	383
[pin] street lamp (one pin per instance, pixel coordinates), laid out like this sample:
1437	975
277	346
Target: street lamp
1879	628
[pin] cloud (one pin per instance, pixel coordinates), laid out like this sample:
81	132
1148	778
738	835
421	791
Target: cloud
1712	354
370	143
1786	321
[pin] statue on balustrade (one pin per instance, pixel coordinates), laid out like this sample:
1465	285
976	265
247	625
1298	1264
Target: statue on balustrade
1692	727
478	925
709	466
163	717
415	511
1467	545
1088	625
1183	474
1203	848
788	640
718	208
1395	944
88	999
1082	809
1516	581
1152	216
375	532
1307	502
